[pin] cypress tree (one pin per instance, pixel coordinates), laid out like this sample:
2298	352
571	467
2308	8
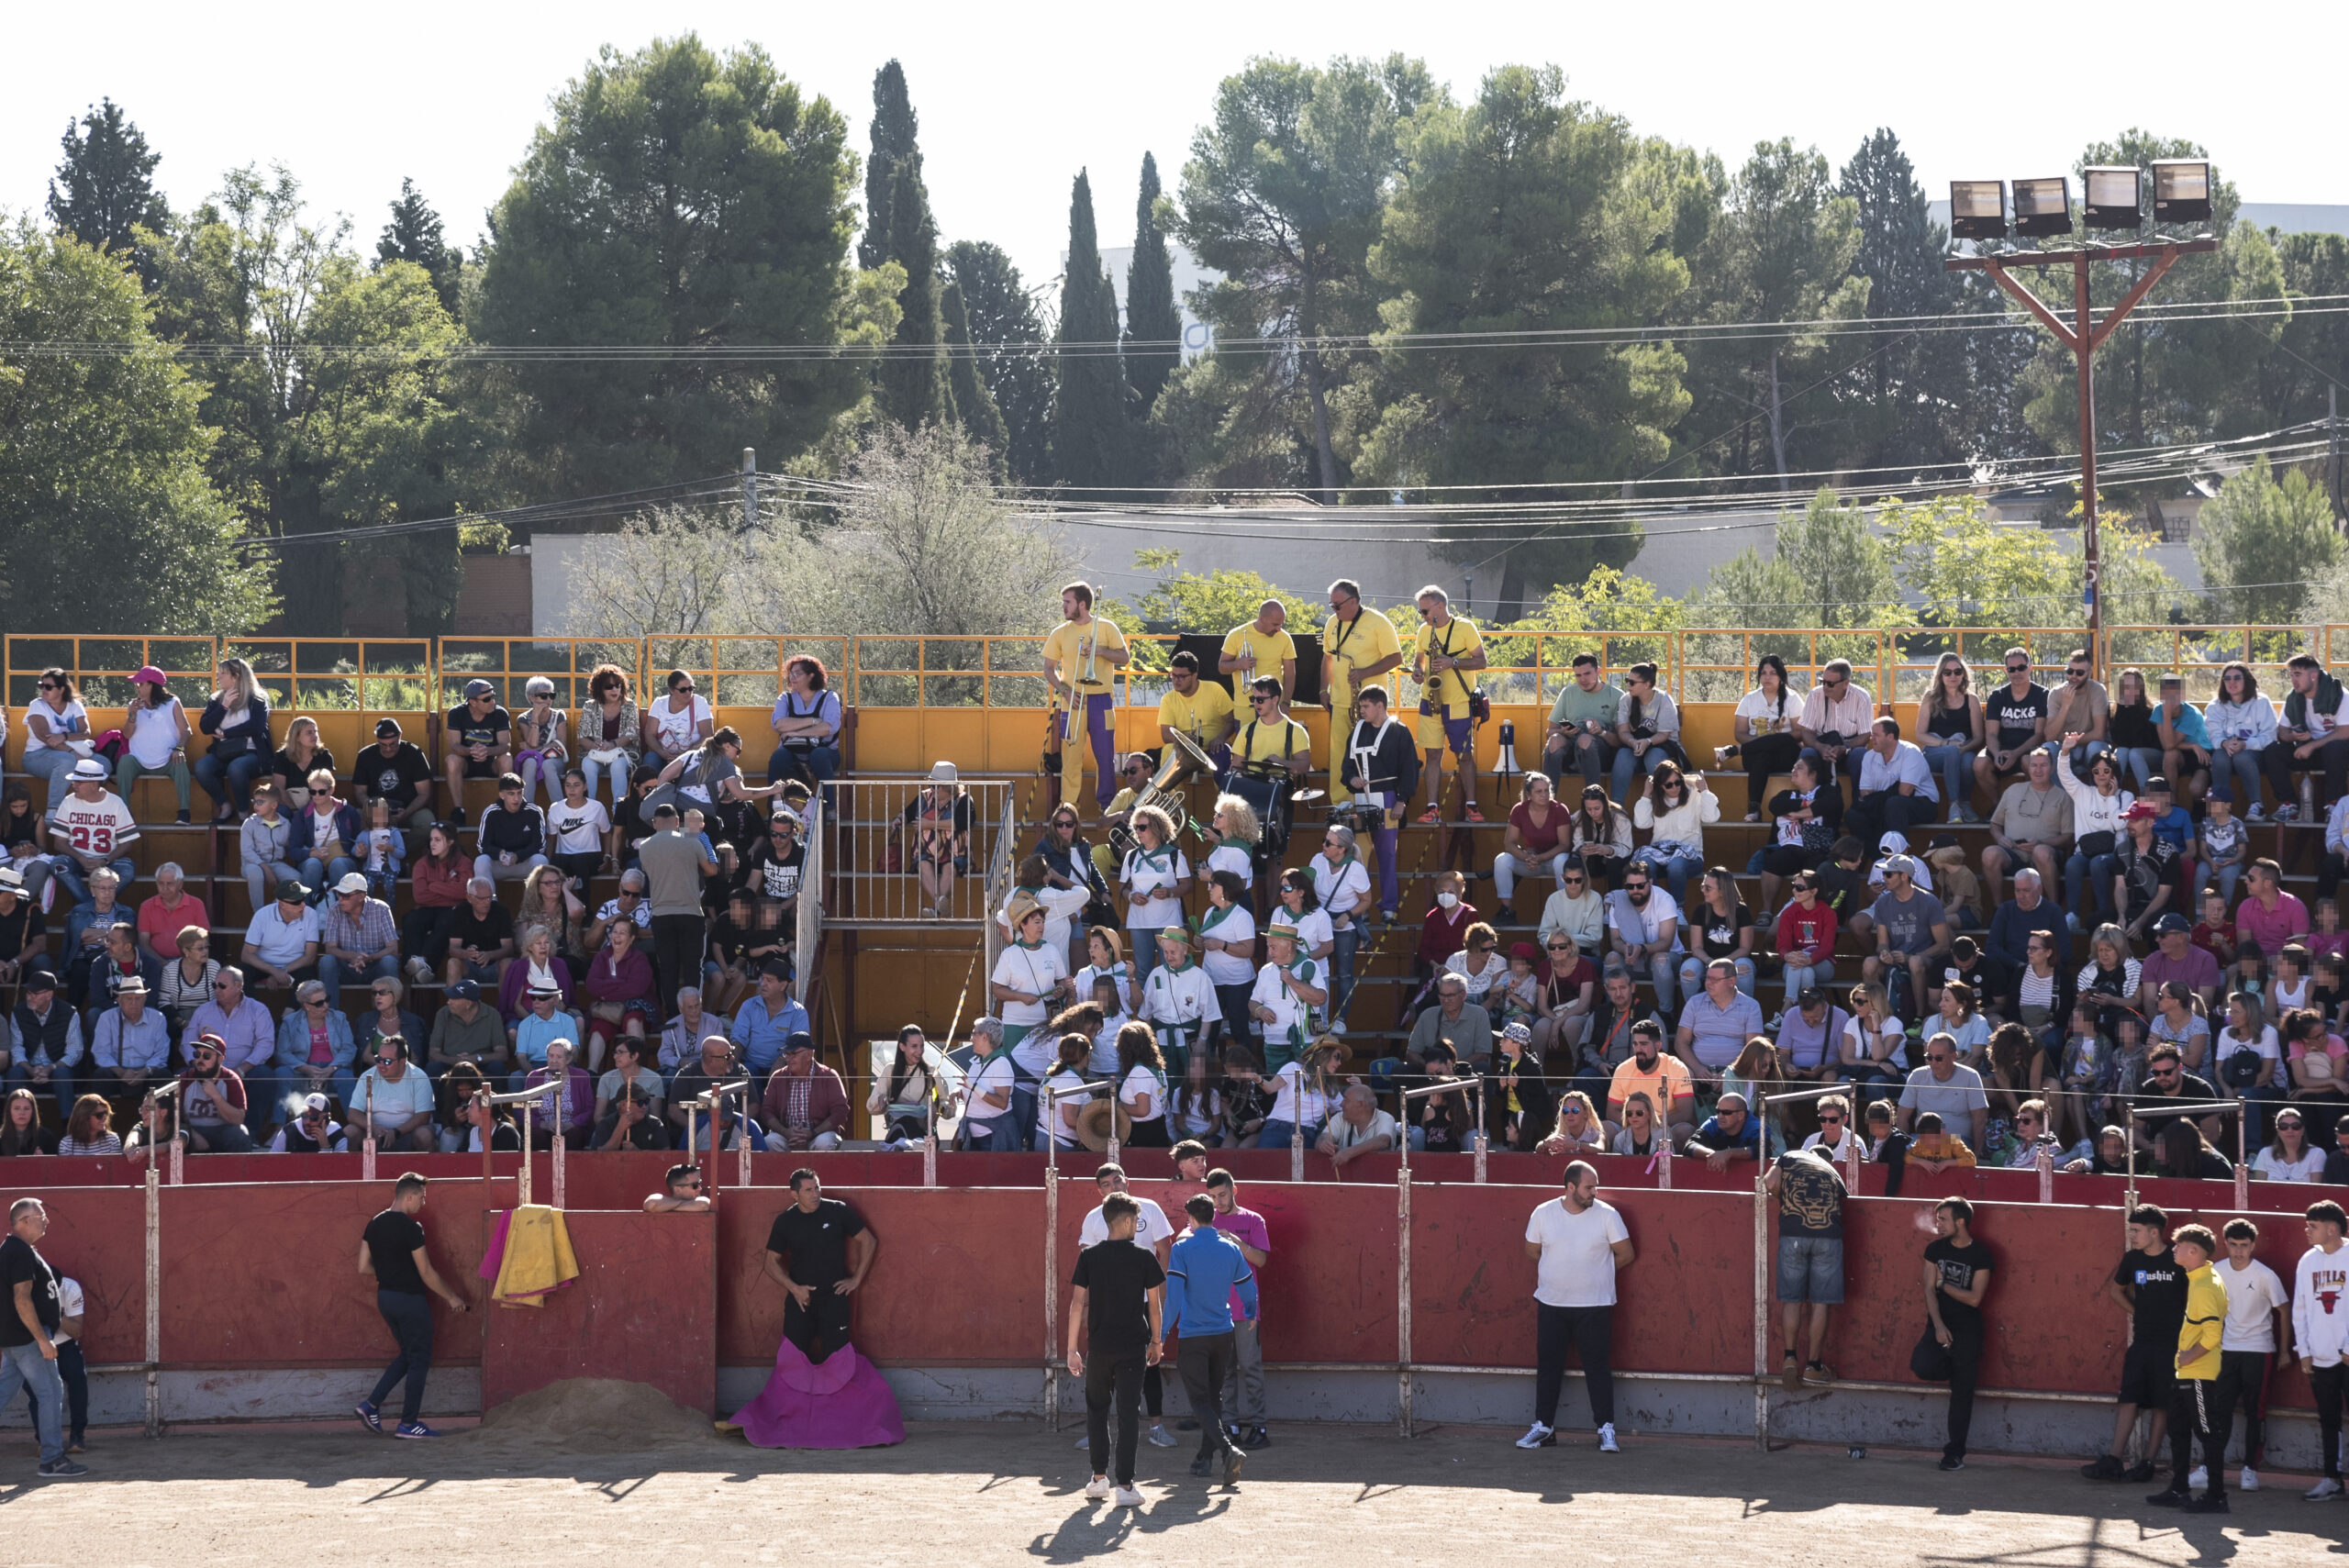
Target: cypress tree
106	184
1089	436
1017	367
414	235
1151	316
893	143
972	404
912	382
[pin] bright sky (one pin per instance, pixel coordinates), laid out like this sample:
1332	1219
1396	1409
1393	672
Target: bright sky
1013	99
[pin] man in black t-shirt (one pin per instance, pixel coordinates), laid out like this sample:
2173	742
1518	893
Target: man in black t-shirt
477	743
28	1354
1810	1256
480	934
394	769
2016	716
1957	1273
1119	1299
2151	1288
831	1251
391	1250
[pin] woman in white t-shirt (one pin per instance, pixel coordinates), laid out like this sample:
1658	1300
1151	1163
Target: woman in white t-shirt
2289	1158
678	723
57	731
990	1116
1228	943
1105	958
1764	723
1872	1040
582	830
1341	887
1480	965
1237	834
1030	979
1057	1111
1142	1091
2245	1031
157	742
1156	878
1304	1091
1196	1107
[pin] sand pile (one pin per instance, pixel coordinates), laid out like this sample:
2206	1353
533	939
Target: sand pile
593	1414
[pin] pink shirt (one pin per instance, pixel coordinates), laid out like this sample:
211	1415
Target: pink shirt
1246	1225
2272	928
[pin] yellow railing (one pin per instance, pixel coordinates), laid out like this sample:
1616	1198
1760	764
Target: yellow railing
884	671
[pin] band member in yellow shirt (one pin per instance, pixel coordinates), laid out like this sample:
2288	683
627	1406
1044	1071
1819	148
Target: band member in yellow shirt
1081	656
1262	648
1447	650
1358	646
1269	758
1198	709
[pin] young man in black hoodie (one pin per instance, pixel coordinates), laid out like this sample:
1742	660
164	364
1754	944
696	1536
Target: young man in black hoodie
513	841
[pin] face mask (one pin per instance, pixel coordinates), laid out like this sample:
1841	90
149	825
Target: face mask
1446	900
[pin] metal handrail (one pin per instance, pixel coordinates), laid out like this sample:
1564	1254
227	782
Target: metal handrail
1481	1140
1051	1132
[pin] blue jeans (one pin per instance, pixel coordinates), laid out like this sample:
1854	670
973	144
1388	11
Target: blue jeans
74	880
1660	969
1279	1134
2100	869
74	1371
2139	763
228	781
1341	967
410	1317
48	763
594	770
1627	762
1802	977
25	1365
1954	765
2239	769
814	765
1677	869
333	974
322	875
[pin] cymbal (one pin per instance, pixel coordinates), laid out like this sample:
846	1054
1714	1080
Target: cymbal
1302	796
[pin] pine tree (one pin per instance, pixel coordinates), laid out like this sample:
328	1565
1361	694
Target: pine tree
893	143
912	382
414	235
1089	436
1151	316
981	418
105	186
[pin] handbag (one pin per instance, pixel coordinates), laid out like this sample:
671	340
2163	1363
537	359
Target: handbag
2095	844
1930	1362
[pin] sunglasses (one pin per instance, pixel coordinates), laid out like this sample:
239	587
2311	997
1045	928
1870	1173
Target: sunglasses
1561	947
313	1117
1831	1118
1260	699
2018	669
49	685
222	984
208	1056
1573	882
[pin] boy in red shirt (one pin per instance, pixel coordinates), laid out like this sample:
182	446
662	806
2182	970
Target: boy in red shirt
2214	933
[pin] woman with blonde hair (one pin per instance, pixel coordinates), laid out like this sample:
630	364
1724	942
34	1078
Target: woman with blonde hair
1949	731
1238	835
301	756
237	718
1156	878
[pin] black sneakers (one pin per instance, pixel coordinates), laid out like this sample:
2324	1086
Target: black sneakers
63	1469
2171	1497
2207	1503
2106	1467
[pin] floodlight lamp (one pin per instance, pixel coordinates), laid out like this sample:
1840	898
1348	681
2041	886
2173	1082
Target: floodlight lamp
2181	190
2110	198
2042	206
1977	209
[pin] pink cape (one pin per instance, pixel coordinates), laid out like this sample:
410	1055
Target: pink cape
839	1402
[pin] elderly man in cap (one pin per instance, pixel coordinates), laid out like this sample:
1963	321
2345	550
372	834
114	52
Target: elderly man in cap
1911	932
359	941
464	1031
1178	1001
281	940
1288	990
539	1027
314	1052
806	1104
42	1043
395	770
90	826
714	1065
392	1102
130	1046
478	742
764	1022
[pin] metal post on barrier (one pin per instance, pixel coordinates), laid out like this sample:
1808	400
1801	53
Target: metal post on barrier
367	1144
1297	1139
2243	1172
154	1300
179	1158
929	1145
2045	1160
1402	1300
558	1144
1051	1282
529	1137
1760	1271
1482	1138
1664	1161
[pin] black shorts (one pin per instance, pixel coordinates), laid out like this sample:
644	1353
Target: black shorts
488	770
2148	1377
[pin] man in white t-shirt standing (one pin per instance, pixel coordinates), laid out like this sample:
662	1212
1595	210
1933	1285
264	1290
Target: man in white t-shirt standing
1578	1243
1151	1231
2259	1325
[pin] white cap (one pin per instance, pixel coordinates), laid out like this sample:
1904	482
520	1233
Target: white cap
353	881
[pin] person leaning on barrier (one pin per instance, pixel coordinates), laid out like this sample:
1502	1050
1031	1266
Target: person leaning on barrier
1957	1271
392	1101
1810	1258
680	1193
1360	1128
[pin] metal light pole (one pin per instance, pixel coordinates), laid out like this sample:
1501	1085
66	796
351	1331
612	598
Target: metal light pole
2084	337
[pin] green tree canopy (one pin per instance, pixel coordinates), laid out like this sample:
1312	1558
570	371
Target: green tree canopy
683	200
414	235
893	133
972	404
2263	538
1090	442
108	522
104	187
1519	214
1151	314
1826	568
1008	335
913	379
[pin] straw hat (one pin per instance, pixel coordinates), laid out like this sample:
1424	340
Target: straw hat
1093	1121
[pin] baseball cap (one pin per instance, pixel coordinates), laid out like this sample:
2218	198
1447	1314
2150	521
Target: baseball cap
353	881
2157	784
2221	792
1811	996
37	980
2170	922
464	991
290	891
149	673
479	689
2139	813
799	1039
1898	863
1517	1031
386	727
314	1103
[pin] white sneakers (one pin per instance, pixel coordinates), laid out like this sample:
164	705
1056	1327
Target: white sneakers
1159	1436
1098	1489
2248	1481
1538	1436
1127	1497
2324	1490
1607	1438
2198	1478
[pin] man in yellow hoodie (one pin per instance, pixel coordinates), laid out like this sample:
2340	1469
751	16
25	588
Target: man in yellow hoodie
2194	1412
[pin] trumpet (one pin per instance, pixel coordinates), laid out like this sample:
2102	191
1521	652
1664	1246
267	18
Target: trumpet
1185	762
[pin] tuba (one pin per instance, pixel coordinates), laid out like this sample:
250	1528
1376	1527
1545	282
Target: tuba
1185	762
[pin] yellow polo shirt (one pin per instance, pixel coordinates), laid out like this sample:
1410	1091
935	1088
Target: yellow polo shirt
1271	649
1206	715
1357	644
1066	649
1269	743
1458	639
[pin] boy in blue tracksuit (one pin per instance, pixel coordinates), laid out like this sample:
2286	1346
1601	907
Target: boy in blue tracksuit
1203	1271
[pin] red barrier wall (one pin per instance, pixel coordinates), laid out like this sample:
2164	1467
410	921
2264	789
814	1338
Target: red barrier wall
644	1309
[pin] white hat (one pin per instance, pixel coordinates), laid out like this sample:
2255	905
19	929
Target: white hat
944	772
353	881
90	770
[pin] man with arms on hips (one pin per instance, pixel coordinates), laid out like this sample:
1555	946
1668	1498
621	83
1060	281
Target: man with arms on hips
1081	657
1378	764
1205	1271
30	1317
1358	646
831	1251
1243	1395
1577	1243
1810	1258
391	1250
2321	1330
1117	1297
1448	650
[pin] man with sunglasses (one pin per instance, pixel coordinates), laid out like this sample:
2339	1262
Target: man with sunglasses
1948	1088
1448	650
246	1029
680	1193
392	1101
2080	707
212	1102
2166	1083
1134	774
478	741
1358	646
1835	719
2016	716
312	1131
1644	925
1200	711
1575	912
1270	758
1836	1136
